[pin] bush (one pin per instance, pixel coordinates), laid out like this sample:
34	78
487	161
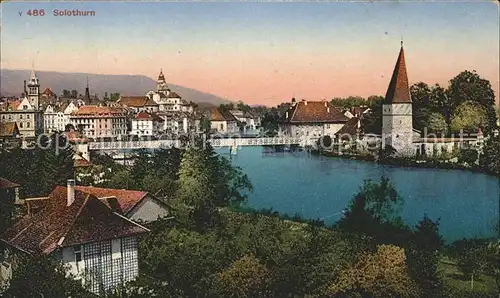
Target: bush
468	155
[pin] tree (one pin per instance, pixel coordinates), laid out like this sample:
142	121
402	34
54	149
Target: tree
420	96
372	122
244	278
74	93
436	123
471	257
206	182
205	124
468	116
69	127
114	96
121	180
66	93
490	156
468	156
381	274
42	276
424	254
469	86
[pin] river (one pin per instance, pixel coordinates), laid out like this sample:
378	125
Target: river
321	187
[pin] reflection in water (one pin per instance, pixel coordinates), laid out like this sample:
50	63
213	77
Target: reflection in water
319	187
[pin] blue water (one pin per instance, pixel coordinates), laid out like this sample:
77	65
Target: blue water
321	187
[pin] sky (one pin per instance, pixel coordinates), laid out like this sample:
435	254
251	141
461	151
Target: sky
261	53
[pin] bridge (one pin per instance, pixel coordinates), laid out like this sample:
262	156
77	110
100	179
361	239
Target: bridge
225	142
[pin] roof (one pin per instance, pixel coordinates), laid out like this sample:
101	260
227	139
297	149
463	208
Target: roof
6	184
126	199
148	116
8	129
133	101
399	89
81	163
173	95
161	77
86	220
315	111
12	105
98	111
48	92
216	114
350	128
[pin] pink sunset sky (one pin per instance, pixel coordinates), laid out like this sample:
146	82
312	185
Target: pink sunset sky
261	53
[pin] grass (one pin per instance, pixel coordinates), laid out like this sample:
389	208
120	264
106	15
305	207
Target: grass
455	279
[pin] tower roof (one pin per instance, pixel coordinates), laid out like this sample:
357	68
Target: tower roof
33	78
161	77
399	89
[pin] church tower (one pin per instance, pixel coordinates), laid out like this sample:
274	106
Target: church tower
87	98
397	124
33	90
161	85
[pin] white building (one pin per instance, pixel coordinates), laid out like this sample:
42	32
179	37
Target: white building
167	100
28	119
57	116
96	242
313	119
222	121
247	120
146	124
177	122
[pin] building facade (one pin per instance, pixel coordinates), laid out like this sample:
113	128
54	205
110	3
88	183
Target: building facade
56	116
99	245
313	119
145	124
100	122
27	118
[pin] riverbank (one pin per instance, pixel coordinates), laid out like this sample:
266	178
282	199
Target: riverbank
411	162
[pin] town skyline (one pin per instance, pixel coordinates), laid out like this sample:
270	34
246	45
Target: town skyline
263	53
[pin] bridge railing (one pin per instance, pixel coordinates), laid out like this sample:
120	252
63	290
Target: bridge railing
115	145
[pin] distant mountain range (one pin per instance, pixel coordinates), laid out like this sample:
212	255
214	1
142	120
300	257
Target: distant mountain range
12	80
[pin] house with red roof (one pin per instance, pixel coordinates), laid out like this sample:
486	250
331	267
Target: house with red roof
222	121
313	119
96	242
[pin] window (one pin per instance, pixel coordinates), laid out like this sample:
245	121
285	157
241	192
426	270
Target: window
78	254
21	125
27	124
21	116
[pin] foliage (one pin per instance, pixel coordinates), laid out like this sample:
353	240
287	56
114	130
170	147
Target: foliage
471	257
490	156
381	274
206	182
205	124
468	116
348	102
41	276
436	123
424	254
114	96
468	86
245	277
270	122
468	156
372	122
39	170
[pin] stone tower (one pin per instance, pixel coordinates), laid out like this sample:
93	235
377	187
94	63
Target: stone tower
33	90
397	126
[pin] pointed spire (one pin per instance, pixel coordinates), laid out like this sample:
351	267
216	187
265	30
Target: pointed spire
399	89
161	77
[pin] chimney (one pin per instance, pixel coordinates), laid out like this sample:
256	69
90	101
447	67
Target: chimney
326	104
305	102
71	192
328	109
286	115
